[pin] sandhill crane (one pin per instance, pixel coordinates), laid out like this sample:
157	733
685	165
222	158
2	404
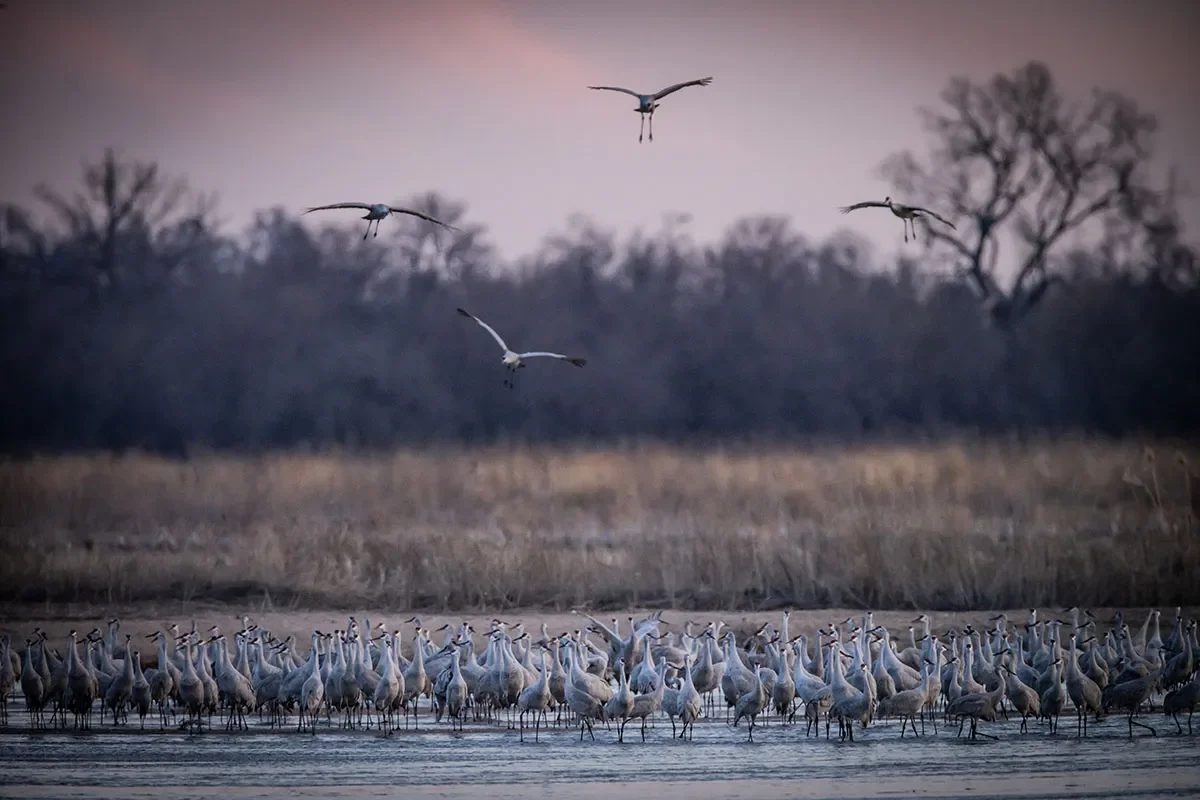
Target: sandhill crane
293	681
513	361
120	692
140	696
647	703
903	676
647	103
456	693
236	692
751	704
1083	691
14	659
885	686
8	677
1138	641
377	212
333	681
82	686
841	688
32	687
535	698
1129	696
683	702
510	675
312	692
783	692
580	698
620	704
644	676
1053	698
1025	700
164	679
388	687
399	702
266	681
558	680
416	678
364	672
908	214
212	693
352	692
1184	698
191	688
737	678
710	668
1179	667
618	647
591	683
859	678
595	662
909	703
811	690
976	706
852	708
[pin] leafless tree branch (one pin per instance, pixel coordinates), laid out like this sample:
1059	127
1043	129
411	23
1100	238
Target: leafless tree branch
1012	159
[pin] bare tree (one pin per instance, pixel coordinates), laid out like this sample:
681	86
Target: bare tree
427	249
128	202
1016	161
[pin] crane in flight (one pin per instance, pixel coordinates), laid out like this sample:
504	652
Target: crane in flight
648	102
376	212
514	361
906	213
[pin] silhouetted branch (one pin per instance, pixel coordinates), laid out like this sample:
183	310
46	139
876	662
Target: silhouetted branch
1009	156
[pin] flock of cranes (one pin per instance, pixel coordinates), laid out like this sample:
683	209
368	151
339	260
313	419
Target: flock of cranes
853	673
647	104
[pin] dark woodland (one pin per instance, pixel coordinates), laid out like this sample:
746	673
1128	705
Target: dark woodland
130	320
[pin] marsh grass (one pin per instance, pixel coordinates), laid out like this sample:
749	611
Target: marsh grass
948	526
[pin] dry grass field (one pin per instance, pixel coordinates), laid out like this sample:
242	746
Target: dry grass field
948	526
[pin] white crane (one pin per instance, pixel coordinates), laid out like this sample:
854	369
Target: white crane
512	360
380	211
648	102
906	213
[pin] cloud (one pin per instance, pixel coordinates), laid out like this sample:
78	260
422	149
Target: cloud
92	48
490	45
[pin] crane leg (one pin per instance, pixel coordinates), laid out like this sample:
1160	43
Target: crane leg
643	129
652	126
1133	722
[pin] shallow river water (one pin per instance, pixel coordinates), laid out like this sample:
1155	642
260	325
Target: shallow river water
490	763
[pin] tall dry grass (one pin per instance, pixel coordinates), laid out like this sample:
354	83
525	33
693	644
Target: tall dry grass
948	526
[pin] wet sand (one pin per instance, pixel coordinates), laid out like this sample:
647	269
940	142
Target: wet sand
492	763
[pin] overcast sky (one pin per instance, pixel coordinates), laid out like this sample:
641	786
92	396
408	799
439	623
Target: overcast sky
301	102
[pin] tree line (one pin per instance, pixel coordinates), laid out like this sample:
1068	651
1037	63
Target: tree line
131	320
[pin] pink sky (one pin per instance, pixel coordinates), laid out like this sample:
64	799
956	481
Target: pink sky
303	103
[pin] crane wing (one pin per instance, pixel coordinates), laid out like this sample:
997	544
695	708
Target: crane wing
608	633
617	89
661	93
939	218
486	327
579	362
366	206
867	204
646	626
426	217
